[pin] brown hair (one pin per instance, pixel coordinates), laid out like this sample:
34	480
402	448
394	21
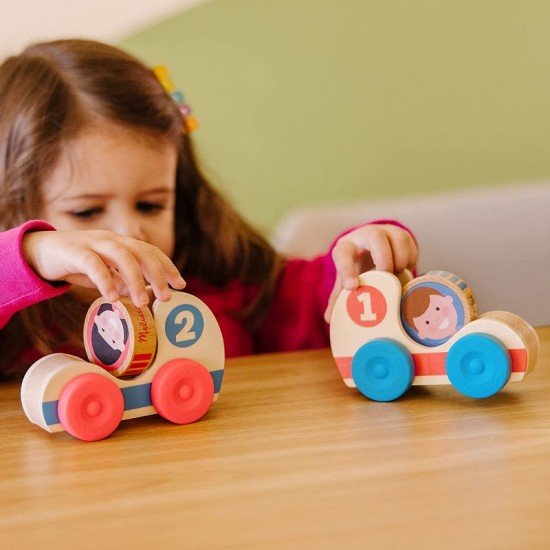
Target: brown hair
48	94
416	303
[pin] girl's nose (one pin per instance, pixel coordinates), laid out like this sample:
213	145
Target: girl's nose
130	227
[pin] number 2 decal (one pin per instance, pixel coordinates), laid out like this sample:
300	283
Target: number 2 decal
184	325
185	319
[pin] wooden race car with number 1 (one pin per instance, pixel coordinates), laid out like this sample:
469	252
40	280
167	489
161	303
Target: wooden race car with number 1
389	334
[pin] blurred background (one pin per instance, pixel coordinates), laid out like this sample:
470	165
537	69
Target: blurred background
318	102
307	101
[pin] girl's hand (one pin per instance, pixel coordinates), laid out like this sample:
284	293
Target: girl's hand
104	260
384	247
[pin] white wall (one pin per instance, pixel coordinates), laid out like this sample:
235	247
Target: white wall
26	21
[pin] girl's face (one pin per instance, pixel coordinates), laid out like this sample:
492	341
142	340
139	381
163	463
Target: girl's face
116	178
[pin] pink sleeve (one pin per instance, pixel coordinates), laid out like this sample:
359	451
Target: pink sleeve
295	319
21	286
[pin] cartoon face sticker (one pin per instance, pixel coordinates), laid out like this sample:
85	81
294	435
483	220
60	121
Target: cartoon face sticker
109	336
439	320
110	328
430	315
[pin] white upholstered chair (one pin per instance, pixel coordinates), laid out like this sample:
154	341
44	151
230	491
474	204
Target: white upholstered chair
497	239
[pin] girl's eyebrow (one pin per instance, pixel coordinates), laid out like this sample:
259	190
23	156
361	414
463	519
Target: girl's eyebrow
156	190
87	196
166	190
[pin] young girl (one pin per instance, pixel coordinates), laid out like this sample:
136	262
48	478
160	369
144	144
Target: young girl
100	187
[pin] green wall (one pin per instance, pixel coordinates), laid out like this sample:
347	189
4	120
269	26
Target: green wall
305	101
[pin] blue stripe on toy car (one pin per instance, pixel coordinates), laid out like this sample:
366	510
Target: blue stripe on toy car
135	397
49	410
217	377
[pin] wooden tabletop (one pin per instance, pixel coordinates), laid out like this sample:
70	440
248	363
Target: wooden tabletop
291	457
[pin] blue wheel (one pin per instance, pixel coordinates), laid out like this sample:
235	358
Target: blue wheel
382	369
478	365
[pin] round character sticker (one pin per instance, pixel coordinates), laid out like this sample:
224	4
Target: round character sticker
109	336
435	307
120	337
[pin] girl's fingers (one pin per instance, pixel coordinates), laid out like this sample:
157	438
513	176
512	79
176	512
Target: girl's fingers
102	259
137	260
375	241
155	274
120	283
414	253
380	250
116	255
403	249
157	268
92	265
172	273
386	248
161	272
359	244
80	279
343	255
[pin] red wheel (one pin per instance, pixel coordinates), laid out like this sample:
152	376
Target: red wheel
182	391
90	407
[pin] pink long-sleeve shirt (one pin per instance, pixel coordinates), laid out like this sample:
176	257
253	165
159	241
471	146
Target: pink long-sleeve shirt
293	321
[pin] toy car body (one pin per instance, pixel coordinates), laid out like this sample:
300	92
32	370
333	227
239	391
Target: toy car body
374	353
63	392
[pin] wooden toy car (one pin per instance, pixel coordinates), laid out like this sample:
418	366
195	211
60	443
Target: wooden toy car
375	354
182	343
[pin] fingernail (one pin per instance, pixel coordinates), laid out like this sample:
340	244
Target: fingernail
113	296
144	298
351	282
181	281
167	295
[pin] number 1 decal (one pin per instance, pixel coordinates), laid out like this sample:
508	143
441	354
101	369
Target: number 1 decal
368	314
366	306
184	325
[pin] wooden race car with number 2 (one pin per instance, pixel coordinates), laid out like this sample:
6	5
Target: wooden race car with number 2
169	361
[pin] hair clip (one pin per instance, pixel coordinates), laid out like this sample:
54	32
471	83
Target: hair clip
190	123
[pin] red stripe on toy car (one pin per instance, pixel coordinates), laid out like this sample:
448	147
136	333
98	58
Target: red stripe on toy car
433	364
429	364
519	360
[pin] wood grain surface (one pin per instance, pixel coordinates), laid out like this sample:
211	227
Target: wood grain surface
289	457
